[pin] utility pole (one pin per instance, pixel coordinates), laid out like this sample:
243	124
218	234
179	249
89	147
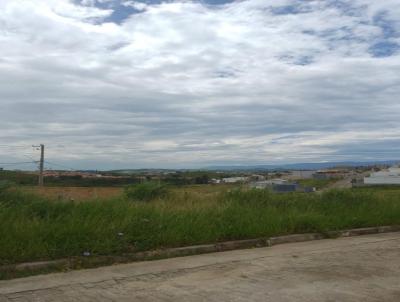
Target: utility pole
41	164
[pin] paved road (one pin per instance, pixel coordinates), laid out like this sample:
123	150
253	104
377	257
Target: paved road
365	268
346	183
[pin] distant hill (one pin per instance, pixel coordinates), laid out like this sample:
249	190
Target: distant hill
232	168
140	171
301	166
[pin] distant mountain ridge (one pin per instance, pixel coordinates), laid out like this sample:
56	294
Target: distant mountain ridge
301	166
295	166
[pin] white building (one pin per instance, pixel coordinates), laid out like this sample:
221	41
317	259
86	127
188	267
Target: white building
390	177
231	180
267	183
301	174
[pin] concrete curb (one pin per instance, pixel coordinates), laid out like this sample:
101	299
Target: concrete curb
95	261
295	238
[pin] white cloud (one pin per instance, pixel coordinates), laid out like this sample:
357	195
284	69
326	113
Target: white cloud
187	84
140	6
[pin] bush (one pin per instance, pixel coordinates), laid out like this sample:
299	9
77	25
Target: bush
146	191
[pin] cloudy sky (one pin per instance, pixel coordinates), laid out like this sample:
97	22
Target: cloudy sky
119	83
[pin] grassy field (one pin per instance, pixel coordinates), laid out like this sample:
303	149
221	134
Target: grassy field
96	193
317	183
34	227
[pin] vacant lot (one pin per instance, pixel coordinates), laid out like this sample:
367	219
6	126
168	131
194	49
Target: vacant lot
101	193
36	228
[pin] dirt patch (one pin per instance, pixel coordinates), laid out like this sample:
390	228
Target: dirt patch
76	193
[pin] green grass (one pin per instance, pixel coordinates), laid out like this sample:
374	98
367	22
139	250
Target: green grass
317	183
32	228
146	191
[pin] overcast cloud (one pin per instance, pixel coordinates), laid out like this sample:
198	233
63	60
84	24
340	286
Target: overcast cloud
111	84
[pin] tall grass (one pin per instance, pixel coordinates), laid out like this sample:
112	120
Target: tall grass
33	228
146	191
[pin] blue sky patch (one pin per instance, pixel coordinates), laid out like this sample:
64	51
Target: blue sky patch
122	12
384	49
348	8
389	29
290	10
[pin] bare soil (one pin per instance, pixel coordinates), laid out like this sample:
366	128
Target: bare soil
77	193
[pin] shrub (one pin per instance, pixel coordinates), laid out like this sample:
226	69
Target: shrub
146	191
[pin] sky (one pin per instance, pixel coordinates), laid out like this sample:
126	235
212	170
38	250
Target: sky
110	84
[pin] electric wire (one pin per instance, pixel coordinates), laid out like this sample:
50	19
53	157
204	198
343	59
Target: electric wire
59	165
19	163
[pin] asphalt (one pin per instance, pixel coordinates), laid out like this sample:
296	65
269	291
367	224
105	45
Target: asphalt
364	268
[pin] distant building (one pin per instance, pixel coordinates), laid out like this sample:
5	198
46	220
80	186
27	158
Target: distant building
257	177
264	184
301	174
232	180
215	181
58	174
280	186
329	174
389	177
285	188
259	185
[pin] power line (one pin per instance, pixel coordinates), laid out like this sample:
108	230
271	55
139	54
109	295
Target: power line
10	146
30	157
59	165
19	163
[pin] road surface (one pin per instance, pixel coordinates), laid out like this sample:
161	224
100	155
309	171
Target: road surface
365	268
346	183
